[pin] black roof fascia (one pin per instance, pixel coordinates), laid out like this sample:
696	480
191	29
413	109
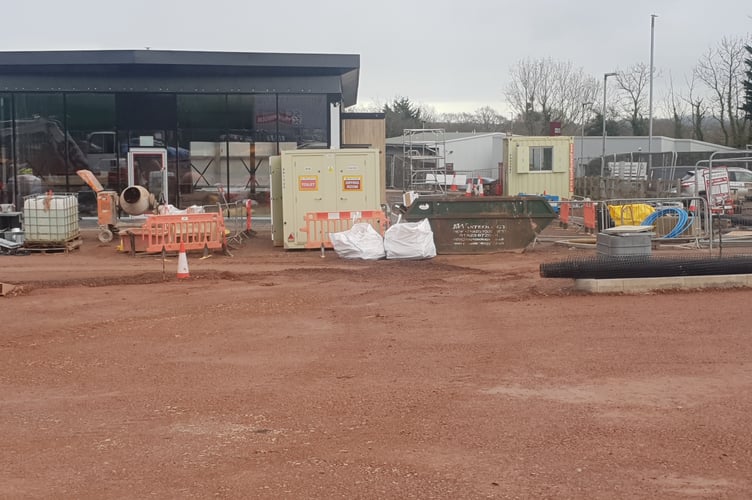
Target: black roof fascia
166	84
113	69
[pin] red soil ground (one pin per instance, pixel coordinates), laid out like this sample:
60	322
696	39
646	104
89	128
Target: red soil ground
274	374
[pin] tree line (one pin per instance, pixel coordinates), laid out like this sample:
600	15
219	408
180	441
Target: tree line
713	103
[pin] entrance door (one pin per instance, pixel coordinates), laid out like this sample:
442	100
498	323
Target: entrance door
147	167
353	177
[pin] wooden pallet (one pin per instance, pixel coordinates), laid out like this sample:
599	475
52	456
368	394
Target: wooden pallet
53	246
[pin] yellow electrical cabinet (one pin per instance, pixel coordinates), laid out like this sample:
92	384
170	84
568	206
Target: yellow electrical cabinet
322	181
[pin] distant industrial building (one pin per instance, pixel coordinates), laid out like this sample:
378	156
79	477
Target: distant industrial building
666	151
487	155
515	164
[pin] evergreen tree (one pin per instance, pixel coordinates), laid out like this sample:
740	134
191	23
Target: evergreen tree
747	106
402	114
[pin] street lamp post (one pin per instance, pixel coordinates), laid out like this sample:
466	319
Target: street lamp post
582	136
603	155
650	106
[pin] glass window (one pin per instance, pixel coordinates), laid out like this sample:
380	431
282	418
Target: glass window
202	111
90	111
146	111
202	125
6	149
42	145
541	159
178	166
251	139
303	120
43	105
90	119
229	140
207	163
243	110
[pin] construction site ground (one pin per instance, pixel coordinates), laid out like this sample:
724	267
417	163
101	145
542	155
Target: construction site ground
277	374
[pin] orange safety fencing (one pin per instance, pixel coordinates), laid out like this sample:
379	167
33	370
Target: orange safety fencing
318	225
564	212
196	231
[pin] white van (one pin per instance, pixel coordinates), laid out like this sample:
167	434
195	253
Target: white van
740	181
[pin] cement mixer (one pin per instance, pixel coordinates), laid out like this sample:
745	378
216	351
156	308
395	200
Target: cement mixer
134	200
137	200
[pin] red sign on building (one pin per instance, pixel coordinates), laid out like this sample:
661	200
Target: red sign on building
352	183
308	183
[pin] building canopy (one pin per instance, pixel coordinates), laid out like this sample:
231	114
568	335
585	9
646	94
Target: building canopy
180	71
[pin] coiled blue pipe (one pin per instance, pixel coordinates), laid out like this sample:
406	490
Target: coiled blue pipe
681	225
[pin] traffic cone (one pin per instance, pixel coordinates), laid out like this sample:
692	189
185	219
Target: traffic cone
469	190
480	186
454	183
183	272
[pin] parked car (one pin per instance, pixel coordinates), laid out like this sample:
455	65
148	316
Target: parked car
740	181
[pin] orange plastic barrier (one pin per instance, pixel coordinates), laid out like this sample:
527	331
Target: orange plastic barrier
564	208
588	215
248	215
318	225
196	231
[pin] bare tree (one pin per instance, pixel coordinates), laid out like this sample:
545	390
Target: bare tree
544	90
456	118
487	118
675	107
632	84
523	91
721	70
429	114
699	108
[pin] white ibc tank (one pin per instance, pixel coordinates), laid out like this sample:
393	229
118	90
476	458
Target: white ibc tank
50	218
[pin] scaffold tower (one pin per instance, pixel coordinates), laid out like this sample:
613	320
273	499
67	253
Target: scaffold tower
423	152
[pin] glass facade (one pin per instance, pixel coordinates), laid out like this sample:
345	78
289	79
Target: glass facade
217	144
7	161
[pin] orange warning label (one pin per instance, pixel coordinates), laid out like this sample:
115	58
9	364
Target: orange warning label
352	183
308	182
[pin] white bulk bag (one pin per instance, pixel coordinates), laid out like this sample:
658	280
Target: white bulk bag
410	240
361	241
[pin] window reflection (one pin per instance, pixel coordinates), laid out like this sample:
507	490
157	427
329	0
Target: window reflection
44	151
212	140
303	120
6	149
91	124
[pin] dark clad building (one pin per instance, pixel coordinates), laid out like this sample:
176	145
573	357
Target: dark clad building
219	116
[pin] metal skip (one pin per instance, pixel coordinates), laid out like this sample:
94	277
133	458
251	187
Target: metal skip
486	224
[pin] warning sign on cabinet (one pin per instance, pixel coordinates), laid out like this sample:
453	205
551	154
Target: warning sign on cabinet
308	182
352	183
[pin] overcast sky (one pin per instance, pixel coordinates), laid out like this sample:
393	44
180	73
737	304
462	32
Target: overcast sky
451	55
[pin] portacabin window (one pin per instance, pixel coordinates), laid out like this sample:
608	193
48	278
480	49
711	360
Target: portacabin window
541	159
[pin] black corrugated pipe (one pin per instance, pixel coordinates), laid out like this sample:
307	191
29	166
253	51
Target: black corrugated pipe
645	266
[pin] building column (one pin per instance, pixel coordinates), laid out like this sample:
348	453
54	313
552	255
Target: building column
335	125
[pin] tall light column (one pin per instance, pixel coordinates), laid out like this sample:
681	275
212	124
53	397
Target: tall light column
603	116
582	136
650	106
